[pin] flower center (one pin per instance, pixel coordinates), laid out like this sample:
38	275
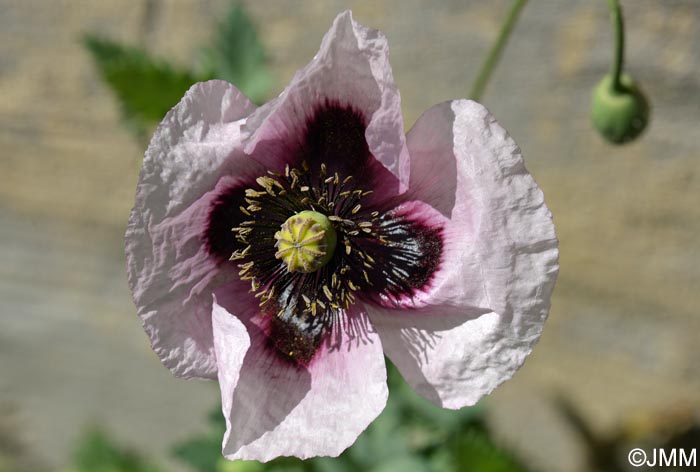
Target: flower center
292	261
305	242
311	244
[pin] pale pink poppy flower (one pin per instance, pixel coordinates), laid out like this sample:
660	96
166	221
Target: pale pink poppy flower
434	248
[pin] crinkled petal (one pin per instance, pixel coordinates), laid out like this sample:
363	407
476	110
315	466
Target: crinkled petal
279	408
351	69
491	297
231	342
168	267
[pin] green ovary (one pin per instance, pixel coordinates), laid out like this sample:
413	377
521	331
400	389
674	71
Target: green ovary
305	242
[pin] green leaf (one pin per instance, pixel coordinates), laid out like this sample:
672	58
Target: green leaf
98	453
405	463
201	454
146	87
216	420
290	464
238	56
474	451
224	465
426	421
385	438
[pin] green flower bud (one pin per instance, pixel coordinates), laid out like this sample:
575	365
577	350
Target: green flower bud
621	113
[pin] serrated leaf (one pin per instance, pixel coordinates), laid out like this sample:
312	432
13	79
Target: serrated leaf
238	56
146	87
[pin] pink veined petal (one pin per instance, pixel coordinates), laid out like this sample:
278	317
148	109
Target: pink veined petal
479	322
278	408
351	68
167	265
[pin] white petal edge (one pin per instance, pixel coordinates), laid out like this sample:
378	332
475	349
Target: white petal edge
466	339
167	265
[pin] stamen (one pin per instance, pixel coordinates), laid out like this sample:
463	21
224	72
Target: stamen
285	232
328	293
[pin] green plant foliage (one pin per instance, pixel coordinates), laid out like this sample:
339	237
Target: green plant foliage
203	453
475	451
96	452
145	87
238	56
411	435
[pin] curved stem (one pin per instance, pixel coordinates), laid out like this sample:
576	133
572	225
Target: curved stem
619	31
494	55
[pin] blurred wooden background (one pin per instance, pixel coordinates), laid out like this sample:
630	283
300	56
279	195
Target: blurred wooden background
624	327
